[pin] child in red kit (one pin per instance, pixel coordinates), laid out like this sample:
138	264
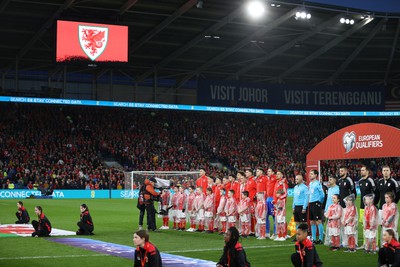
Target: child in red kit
260	213
333	214
370	224
244	214
209	211
221	210
190	209
231	209
181	208
350	224
174	203
199	208
280	215
164	202
390	215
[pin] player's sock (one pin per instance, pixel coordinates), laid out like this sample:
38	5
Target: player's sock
321	231
263	230
351	242
314	232
223	227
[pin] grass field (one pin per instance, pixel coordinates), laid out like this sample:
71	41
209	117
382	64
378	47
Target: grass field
116	220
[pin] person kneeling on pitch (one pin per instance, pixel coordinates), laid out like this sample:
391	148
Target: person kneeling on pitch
233	253
22	214
306	254
146	253
85	225
43	226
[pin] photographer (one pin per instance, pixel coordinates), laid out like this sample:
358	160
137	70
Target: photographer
149	195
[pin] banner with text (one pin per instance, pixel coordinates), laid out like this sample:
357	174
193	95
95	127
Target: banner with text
296	97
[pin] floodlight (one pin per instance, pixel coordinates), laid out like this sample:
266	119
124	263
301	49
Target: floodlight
255	9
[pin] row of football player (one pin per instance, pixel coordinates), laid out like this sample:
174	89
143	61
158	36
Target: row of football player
341	222
204	216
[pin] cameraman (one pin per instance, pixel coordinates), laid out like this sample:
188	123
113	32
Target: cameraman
149	195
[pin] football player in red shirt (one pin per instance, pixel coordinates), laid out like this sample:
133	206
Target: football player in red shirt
270	197
203	180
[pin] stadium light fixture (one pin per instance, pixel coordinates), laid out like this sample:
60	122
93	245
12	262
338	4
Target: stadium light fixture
302	14
256	8
346	20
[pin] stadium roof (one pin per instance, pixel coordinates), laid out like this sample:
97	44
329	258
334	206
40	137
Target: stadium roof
178	40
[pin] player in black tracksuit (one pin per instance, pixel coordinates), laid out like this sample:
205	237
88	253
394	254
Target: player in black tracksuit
22	214
85	225
43	226
388	184
367	186
346	186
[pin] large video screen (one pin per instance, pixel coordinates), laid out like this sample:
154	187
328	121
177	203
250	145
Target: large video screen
82	42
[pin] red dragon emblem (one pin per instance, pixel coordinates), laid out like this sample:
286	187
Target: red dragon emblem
93	40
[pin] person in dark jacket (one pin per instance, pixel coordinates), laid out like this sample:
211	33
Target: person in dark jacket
146	254
234	254
149	195
85	225
387	184
306	255
43	226
22	214
389	254
346	185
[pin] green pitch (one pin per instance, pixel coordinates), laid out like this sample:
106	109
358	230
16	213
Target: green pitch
116	220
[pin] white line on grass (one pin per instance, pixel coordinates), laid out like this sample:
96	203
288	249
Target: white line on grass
216	249
53	257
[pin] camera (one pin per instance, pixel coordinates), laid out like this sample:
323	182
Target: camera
155	198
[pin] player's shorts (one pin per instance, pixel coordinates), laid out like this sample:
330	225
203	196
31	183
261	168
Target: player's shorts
270	207
315	211
298	215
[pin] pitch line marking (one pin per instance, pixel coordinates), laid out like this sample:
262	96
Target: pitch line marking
216	249
54	257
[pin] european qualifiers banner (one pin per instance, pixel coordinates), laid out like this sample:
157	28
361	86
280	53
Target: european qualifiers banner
274	96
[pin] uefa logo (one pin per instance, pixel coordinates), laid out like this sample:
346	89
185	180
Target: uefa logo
349	141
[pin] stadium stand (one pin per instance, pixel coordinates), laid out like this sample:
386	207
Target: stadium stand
54	147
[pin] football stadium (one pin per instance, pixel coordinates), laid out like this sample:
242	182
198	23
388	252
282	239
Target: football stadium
199	133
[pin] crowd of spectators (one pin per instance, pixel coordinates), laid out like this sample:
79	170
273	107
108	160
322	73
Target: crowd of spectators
50	146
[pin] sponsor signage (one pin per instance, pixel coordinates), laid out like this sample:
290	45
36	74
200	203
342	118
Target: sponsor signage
364	140
79	102
22	193
115	194
274	96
